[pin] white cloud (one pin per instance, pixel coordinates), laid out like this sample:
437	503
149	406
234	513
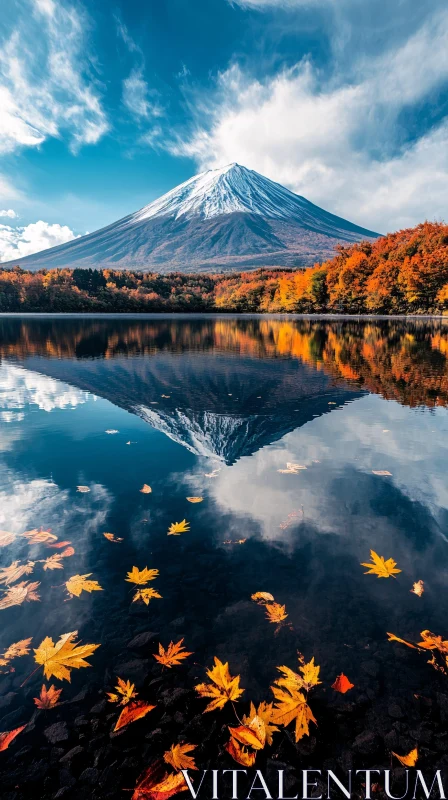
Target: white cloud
46	88
24	241
8	213
338	141
136	96
20	388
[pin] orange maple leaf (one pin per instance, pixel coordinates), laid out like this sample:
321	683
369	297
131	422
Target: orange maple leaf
132	712
7	737
48	698
342	684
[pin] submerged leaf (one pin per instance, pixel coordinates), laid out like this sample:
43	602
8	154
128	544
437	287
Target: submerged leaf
223	687
380	567
141	576
173	655
177	756
342	684
80	583
132	712
177	528
7	737
60	658
48	698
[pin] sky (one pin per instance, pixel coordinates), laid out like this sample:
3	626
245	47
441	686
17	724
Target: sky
107	104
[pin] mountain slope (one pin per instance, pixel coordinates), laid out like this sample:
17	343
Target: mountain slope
219	220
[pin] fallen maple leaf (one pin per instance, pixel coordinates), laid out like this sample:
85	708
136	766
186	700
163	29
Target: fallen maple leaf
36	536
308	678
156	784
125	692
15	571
112	537
222	688
7	737
59	545
173	655
82	489
80	583
292	705
48	698
407	761
6	538
418	588
58	659
141	576
380	567
262	597
195	499
53	562
177	756
132	712
176	528
20	593
342	684
430	641
146	489
146	595
252	735
239	753
393	638
264	712
18	649
275	612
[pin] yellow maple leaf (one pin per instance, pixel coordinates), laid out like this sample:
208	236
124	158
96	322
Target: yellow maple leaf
173	655
275	612
6	537
80	583
264	712
18	649
48	698
177	756
407	761
53	562
19	593
141	576
60	658
146	595
15	571
292	705
292	680
223	687
262	597
380	567
124	688
176	528
195	499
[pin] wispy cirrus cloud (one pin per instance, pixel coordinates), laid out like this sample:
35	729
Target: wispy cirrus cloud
341	138
25	240
137	97
47	87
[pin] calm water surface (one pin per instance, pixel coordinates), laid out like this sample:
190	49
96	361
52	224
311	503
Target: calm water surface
215	407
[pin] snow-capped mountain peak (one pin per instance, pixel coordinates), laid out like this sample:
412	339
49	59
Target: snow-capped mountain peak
226	190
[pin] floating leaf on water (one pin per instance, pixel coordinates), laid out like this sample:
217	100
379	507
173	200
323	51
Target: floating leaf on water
223	688
15	571
156	784
132	712
383	472
112	537
195	499
146	595
18	649
176	528
393	638
60	658
292	705
265	712
6	538
275	612
173	655
53	562
36	536
59	545
80	583
407	761
48	698
262	597
380	567
125	692
177	756
82	489
430	641
146	489
342	684
141	576
418	588
20	593
7	737
239	753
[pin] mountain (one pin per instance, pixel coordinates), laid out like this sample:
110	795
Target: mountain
222	219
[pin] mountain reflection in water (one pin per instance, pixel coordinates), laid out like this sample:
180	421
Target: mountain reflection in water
216	407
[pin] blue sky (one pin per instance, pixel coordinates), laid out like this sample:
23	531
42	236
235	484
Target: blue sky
106	105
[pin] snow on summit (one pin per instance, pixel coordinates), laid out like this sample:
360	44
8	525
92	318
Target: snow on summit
225	191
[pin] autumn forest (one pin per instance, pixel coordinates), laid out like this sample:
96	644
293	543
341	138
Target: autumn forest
401	273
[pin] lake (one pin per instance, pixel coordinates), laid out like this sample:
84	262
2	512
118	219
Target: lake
219	408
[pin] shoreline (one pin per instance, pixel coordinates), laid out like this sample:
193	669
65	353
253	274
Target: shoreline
216	315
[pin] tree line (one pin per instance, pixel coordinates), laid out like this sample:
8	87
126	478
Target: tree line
402	273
